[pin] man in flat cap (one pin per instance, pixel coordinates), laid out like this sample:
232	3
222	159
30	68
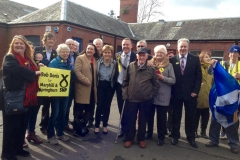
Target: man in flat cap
139	87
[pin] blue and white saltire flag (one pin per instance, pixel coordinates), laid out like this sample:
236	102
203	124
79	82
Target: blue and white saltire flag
224	96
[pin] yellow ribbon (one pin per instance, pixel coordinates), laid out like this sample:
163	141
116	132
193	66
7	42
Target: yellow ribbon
118	57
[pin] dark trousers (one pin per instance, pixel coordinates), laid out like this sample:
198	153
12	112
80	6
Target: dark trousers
14	129
132	109
47	101
150	120
190	117
161	121
33	111
204	114
120	102
84	111
105	95
169	117
231	132
70	100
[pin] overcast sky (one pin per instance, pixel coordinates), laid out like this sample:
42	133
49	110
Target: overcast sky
172	9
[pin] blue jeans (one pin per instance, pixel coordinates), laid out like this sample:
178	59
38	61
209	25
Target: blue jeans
33	111
57	118
71	97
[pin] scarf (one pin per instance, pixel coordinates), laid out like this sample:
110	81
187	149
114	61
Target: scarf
31	88
162	64
204	67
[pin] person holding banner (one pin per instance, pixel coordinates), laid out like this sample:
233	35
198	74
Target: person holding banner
19	70
59	104
224	101
85	84
106	86
48	54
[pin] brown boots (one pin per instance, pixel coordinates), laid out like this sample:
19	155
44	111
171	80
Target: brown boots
32	137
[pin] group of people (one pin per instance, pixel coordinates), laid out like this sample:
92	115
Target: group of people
143	83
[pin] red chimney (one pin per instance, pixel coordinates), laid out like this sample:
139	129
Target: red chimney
129	11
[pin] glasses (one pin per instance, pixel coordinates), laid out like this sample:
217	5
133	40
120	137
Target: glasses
140	46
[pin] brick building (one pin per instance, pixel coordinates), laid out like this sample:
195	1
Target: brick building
70	20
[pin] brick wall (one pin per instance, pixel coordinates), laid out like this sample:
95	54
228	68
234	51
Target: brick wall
3	42
128	11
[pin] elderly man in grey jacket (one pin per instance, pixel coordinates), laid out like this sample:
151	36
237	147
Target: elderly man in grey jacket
140	86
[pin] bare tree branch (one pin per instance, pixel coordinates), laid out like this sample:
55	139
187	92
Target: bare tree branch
149	10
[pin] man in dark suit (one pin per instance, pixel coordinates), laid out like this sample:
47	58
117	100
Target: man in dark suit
49	54
123	59
188	75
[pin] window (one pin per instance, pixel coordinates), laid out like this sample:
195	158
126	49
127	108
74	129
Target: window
34	39
119	48
195	52
217	54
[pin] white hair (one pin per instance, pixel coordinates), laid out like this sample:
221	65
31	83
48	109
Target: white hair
159	47
62	47
96	39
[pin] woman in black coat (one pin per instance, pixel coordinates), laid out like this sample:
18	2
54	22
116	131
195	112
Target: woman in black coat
19	69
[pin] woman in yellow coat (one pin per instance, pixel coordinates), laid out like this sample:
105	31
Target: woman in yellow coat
203	97
85	83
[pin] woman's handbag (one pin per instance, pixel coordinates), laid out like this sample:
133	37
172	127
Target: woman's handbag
14	101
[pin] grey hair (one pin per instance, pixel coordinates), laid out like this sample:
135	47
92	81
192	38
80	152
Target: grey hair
184	40
95	40
143	41
69	40
62	47
76	43
159	47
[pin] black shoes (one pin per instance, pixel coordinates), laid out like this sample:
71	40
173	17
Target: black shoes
192	143
120	134
174	141
160	142
148	136
24	153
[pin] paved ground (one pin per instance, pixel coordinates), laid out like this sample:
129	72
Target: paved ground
102	147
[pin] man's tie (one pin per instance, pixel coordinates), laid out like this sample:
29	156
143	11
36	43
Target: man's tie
182	65
125	60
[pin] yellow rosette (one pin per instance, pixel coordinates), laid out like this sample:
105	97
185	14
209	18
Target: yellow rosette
161	70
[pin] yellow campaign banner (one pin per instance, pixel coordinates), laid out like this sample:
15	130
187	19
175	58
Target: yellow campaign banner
53	82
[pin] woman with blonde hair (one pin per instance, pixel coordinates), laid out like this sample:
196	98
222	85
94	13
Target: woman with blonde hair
19	70
203	96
